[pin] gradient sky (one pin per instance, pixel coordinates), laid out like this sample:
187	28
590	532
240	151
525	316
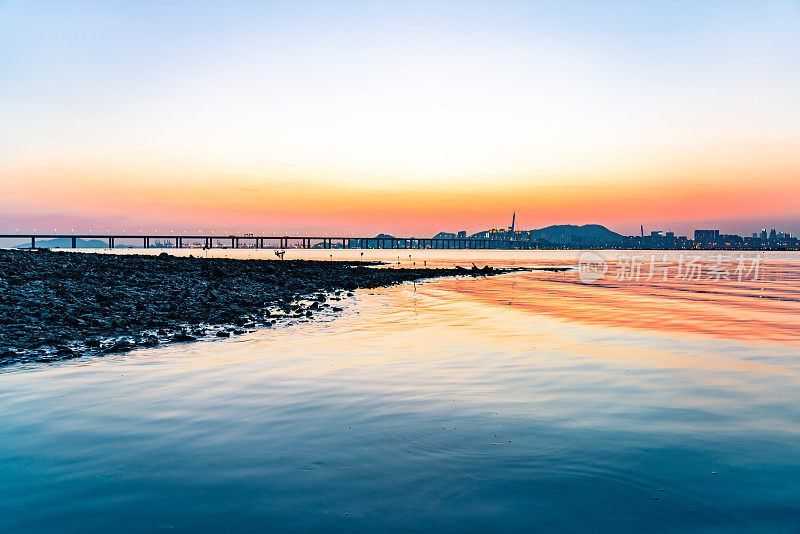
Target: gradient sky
404	117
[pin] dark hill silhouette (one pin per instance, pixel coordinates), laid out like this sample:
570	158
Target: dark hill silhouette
570	233
66	242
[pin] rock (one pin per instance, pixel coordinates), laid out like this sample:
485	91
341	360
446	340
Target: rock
223	333
60	298
122	345
183	336
149	341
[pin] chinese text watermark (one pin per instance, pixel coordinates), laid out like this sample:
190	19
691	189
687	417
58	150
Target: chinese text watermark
661	267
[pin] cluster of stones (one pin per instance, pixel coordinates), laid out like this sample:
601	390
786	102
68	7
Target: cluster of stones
58	305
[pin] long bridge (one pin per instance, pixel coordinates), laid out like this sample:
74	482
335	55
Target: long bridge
282	242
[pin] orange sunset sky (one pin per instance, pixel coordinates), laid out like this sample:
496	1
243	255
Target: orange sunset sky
407	118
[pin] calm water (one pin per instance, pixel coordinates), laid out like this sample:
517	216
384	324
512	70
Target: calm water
523	402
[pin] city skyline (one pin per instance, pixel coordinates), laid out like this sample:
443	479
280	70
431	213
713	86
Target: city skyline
469	229
554	236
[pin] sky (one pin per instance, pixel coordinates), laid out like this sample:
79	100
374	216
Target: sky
400	117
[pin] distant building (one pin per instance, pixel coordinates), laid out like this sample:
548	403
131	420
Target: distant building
706	236
462	234
729	240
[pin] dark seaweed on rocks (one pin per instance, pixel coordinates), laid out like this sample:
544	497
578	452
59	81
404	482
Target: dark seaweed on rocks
59	305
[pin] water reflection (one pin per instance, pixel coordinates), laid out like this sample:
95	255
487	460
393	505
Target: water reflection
756	311
522	402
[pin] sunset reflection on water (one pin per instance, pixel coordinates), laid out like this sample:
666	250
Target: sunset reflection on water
765	310
524	401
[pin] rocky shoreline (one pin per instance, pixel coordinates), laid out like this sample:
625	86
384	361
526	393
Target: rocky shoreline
60	305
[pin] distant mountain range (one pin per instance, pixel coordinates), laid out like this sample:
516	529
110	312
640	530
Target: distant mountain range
66	242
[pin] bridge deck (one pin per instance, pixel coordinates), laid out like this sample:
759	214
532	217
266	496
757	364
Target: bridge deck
286	241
